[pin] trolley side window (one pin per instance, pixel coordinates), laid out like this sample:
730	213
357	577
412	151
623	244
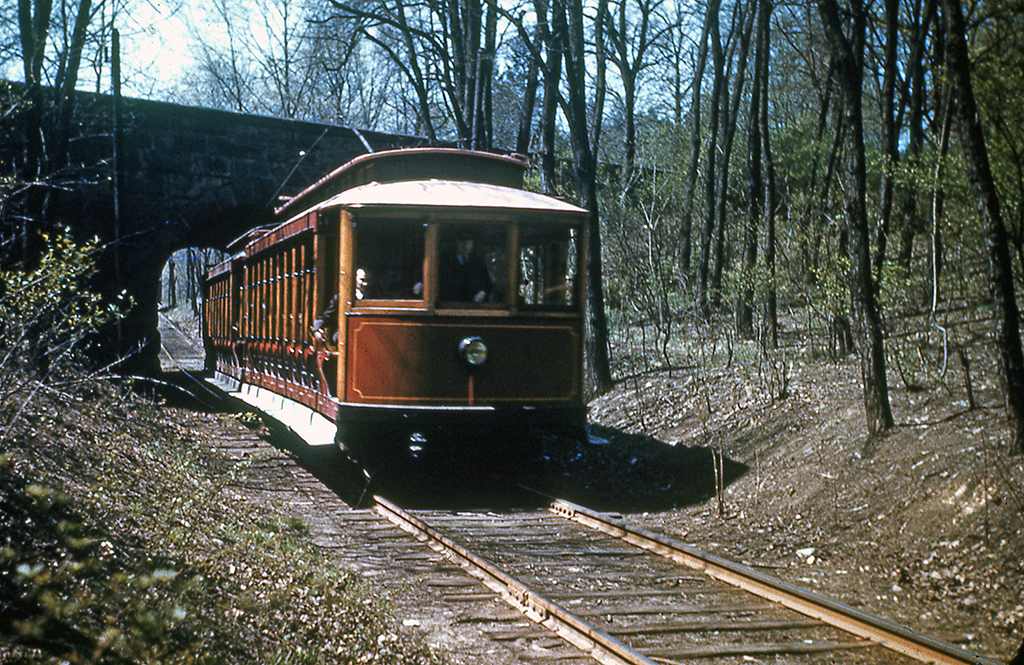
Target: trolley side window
389	260
473	263
547	265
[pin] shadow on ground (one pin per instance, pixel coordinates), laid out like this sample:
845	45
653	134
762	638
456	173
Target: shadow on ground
617	471
189	390
611	470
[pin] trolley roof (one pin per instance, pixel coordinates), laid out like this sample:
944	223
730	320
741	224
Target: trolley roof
452	196
412	164
443	200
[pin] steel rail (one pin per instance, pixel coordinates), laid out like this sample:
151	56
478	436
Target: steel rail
599	645
184	335
880	631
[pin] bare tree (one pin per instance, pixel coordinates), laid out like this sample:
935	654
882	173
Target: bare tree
269	66
52	40
446	50
554	36
228	73
34	25
711	165
585	160
633	32
524	135
352	86
770	196
172	283
890	129
546	43
847	51
744	309
686	223
921	21
740	47
979	171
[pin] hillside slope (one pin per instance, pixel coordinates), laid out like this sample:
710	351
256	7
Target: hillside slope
923	525
126	536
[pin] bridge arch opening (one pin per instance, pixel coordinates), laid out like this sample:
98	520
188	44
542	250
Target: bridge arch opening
179	307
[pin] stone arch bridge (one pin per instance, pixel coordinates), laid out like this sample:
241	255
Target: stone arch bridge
183	177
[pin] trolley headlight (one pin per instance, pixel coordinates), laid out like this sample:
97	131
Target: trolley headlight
473	351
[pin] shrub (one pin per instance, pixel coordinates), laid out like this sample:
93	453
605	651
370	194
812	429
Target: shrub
47	314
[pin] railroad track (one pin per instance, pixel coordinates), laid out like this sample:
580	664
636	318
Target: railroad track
624	595
584	586
577	586
178	351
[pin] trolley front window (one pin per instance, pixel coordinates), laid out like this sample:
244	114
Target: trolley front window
389	260
472	259
547	265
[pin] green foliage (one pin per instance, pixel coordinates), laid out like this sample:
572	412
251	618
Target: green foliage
831	286
998	76
46	312
640	229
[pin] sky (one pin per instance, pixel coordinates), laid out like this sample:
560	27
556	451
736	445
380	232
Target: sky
156	45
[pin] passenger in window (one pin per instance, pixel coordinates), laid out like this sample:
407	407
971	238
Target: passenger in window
361	284
464	276
325	327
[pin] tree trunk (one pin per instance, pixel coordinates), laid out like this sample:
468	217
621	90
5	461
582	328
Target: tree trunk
979	172
192	279
744	309
939	201
525	134
172	285
770	204
416	78
599	379
554	44
600	77
482	110
68	80
730	115
811	214
33	27
710	169
849	70
464	28
686	224
912	217
890	131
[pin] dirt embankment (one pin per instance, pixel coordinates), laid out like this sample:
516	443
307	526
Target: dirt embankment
924	525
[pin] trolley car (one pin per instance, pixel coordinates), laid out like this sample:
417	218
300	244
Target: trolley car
412	302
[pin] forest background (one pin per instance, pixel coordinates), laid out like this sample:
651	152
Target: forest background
752	153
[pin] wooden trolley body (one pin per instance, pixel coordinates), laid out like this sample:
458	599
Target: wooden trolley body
412	362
